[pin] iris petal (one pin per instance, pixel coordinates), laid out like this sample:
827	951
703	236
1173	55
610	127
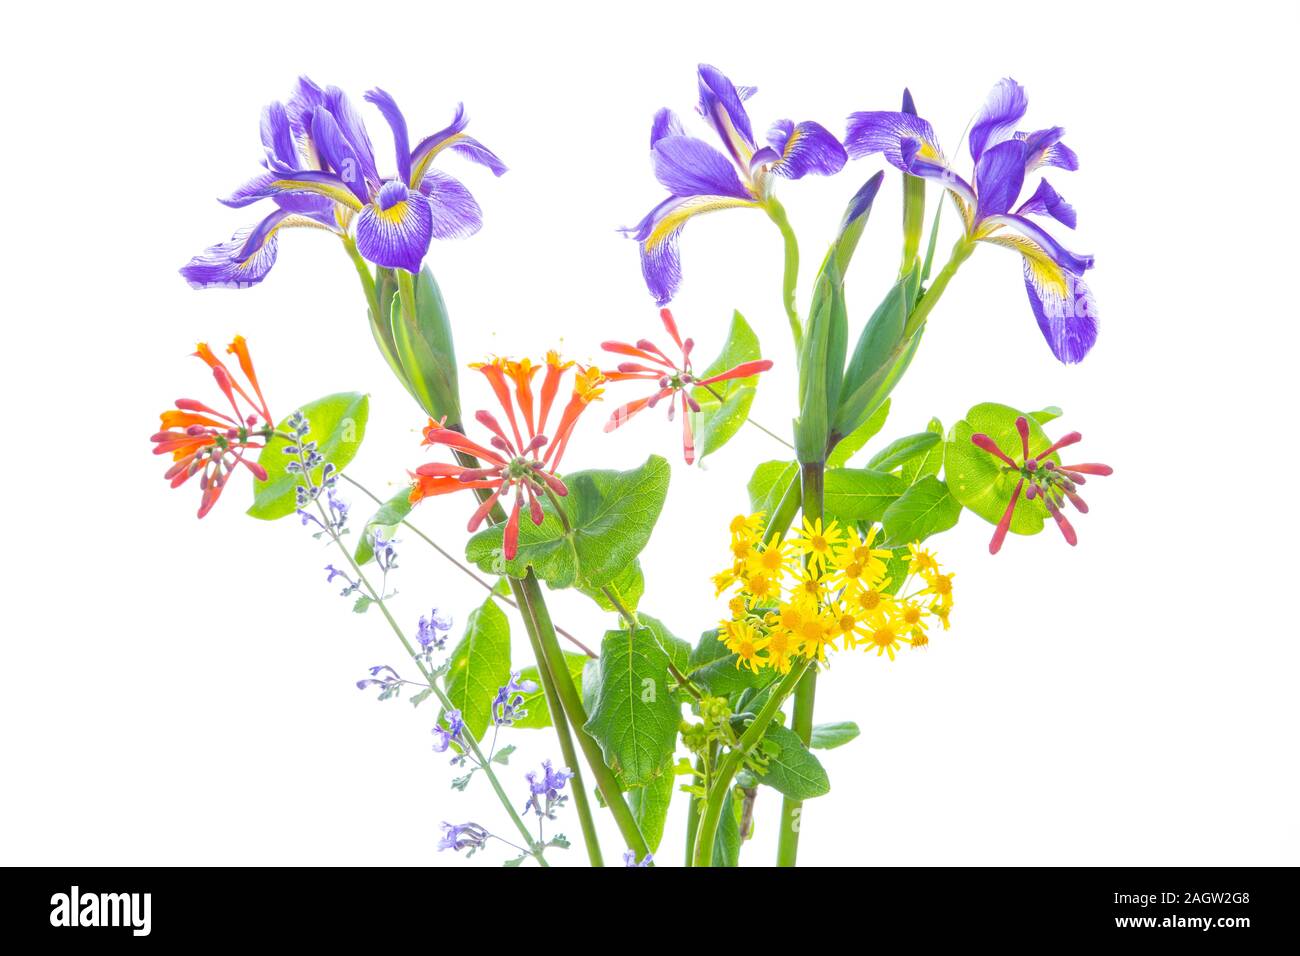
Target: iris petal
999	177
1062	304
1046	201
397	123
1074	263
455	213
806	148
216	267
337	153
665	123
658	232
884	132
723	107
1003	109
691	167
395	230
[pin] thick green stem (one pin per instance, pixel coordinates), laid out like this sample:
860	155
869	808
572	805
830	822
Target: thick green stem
529	594
790	275
693	812
727	770
805	695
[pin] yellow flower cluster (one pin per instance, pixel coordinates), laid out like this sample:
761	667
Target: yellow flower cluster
825	588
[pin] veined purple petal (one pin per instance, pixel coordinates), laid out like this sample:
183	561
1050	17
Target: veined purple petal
397	123
455	213
395	230
657	233
999	177
354	130
1072	263
691	167
806	148
277	138
337	153
1046	201
1044	148
1068	321
1003	109
304	100
216	267
259	235
914	162
721	105
665	123
453	137
884	132
303	182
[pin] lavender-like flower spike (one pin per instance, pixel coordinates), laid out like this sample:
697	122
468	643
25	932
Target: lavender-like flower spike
445	737
320	172
463	836
389	684
352	586
701	179
551	783
629	859
432	631
507	706
1061	302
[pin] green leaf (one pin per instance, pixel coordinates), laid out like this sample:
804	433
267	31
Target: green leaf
860	494
338	423
611	515
830	736
635	718
904	450
850	444
925	509
821	365
362	604
1045	415
791	769
714	668
650	807
877	346
425	349
502	756
726	841
768	485
718	420
421	697
977	479
479	665
539	712
628	586
678	650
390	514
914	469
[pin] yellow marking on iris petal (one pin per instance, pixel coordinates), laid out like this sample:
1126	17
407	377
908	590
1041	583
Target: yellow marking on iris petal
418	171
394	214
337	193
677	217
795	135
1047	276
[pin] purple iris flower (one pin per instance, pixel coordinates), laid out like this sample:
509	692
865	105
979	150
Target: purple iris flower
321	173
701	179
1003	158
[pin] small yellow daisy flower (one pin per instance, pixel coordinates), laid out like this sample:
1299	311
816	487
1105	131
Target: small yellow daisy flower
737	606
860	552
780	645
876	599
815	636
724	579
817	542
921	561
941	588
772	560
912	617
747	526
810	583
941	611
763	586
847	623
746	643
883	635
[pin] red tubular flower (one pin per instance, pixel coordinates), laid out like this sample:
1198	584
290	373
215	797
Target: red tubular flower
1052	483
509	460
203	441
670	377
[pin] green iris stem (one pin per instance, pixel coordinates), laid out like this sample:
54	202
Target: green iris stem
484	764
367	277
790	276
731	763
805	695
692	813
960	253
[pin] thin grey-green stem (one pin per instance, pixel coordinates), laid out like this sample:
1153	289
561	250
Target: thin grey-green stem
482	582
749	421
731	764
468	738
790	273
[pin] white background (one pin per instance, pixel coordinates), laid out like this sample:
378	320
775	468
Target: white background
179	691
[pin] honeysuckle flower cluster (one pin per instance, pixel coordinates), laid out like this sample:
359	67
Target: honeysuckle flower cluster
1043	479
701	179
527	466
671	378
1003	157
210	443
824	589
320	172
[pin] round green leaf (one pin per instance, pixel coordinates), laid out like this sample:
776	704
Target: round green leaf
338	423
978	480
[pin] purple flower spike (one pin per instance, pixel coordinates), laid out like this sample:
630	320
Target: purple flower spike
1061	302
320	172
700	178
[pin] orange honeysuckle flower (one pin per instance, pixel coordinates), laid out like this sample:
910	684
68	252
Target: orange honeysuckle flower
509	460
203	441
672	379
